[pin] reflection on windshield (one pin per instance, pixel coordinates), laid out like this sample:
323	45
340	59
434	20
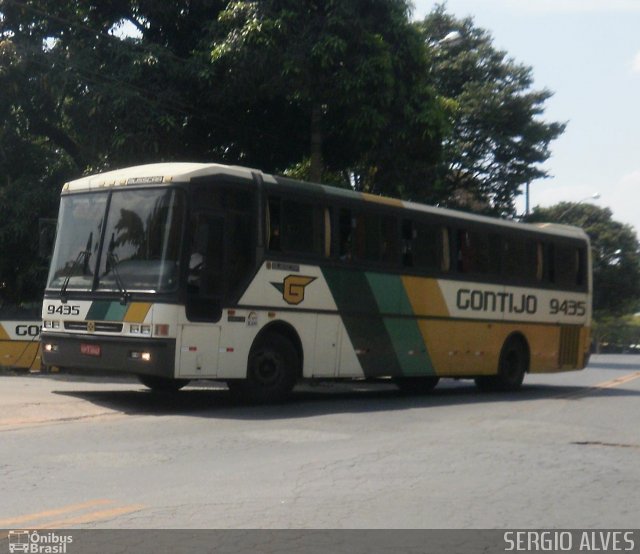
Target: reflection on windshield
76	249
142	241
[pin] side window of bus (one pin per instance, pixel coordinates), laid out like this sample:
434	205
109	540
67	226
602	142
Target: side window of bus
523	260
302	227
367	234
274	225
551	262
240	258
227	217
368	237
425	246
389	247
478	252
205	278
581	280
295	226
570	270
345	235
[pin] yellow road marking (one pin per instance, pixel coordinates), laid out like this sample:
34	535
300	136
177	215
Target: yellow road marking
605	385
92	516
55	512
11	424
618	381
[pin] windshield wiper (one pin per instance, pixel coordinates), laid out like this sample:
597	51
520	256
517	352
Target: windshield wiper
63	289
113	262
83	258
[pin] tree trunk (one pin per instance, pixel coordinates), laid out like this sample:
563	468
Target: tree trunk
316	165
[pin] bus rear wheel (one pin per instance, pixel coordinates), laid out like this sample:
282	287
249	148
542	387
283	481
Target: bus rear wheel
162	384
512	366
417	385
272	371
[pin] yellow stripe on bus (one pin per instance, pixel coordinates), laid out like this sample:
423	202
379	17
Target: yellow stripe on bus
137	312
425	296
382	199
15	353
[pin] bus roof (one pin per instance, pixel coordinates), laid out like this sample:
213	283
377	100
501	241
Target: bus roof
179	172
156	173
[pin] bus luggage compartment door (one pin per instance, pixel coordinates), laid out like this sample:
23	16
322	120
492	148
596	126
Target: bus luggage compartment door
199	351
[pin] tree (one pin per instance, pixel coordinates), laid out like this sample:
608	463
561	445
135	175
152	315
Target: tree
498	140
348	77
615	255
74	98
344	90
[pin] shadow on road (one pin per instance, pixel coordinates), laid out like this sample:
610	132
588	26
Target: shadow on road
310	401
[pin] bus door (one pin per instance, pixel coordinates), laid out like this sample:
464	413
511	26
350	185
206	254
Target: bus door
206	284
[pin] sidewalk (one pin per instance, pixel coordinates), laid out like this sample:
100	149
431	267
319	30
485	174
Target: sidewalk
29	398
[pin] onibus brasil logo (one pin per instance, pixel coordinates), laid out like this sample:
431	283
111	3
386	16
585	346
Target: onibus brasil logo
35	542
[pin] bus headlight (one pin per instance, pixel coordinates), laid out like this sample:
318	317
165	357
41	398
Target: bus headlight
137	329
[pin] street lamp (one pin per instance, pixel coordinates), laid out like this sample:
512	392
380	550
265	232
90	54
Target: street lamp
594	196
450	39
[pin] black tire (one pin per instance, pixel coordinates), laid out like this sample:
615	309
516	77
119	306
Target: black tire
272	371
512	366
162	384
417	385
486	383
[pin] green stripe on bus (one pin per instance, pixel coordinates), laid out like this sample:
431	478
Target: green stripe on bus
409	346
98	310
363	322
404	332
105	310
116	311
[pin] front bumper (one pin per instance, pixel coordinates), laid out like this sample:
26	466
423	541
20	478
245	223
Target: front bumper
116	354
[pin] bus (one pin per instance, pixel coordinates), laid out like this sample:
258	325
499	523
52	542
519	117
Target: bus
182	271
20	336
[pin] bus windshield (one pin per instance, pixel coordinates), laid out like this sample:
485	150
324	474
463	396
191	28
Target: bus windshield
142	236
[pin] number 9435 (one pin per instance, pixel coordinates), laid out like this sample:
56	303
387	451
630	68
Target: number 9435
63	309
567	307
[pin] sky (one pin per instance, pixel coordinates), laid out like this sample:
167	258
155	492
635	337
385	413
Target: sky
587	52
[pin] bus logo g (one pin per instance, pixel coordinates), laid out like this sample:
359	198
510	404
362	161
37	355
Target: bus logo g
292	288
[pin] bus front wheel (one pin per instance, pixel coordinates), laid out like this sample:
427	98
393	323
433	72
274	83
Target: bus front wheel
162	384
272	371
512	366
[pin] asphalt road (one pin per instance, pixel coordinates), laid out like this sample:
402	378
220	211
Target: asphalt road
78	452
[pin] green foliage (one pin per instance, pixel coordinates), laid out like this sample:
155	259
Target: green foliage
615	255
348	81
498	140
75	98
617	334
346	91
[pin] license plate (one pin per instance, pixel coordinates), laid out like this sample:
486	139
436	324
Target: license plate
90	349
